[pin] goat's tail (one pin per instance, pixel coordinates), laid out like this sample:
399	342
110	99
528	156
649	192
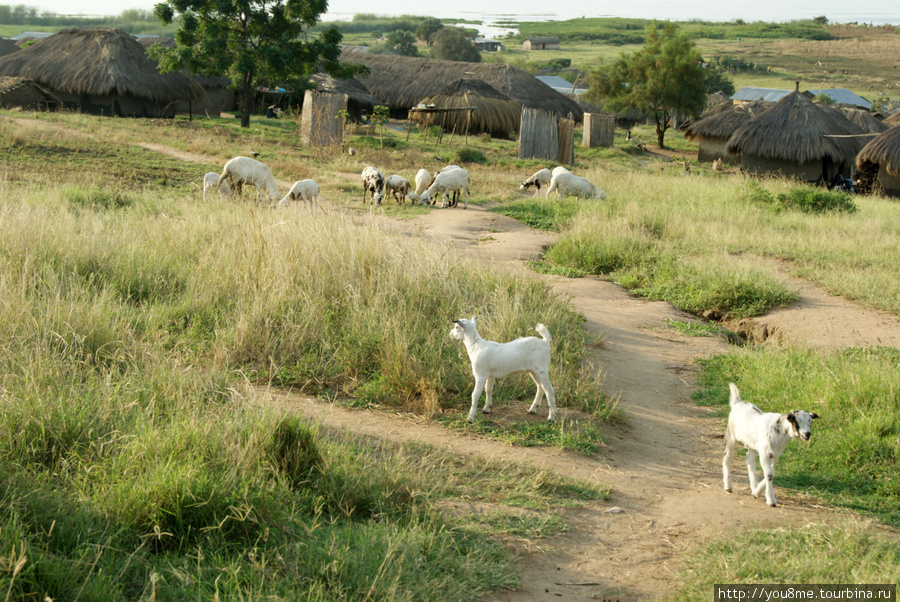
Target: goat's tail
222	177
542	330
735	395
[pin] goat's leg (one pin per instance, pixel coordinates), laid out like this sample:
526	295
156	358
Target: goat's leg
751	472
551	396
476	395
726	463
488	392
537	396
768	467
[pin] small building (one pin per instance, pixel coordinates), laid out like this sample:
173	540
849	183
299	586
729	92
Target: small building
548	43
25	94
561	85
879	161
487	45
7	47
470	106
714	128
838	95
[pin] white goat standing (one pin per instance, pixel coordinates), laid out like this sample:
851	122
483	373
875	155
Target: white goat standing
244	170
763	434
303	190
423	181
537	179
568	184
395	184
491	360
211	180
447	181
373	181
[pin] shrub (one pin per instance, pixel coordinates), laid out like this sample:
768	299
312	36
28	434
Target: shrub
470	155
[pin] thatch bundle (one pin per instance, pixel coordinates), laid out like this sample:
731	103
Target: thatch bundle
724	120
494	113
883	150
402	82
7	47
359	100
866	121
24	93
892	120
98	62
794	129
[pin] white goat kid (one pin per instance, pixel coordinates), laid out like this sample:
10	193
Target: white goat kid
763	434
210	181
568	184
244	170
373	181
395	185
537	179
303	190
445	182
491	360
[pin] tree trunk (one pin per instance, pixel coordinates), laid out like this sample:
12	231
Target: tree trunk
661	128
248	99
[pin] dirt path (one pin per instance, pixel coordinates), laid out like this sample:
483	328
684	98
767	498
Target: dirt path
663	464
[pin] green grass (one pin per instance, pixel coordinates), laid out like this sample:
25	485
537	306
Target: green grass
566	433
853	460
540	213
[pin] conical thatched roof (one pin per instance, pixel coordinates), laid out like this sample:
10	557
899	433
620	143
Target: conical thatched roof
22	92
866	121
353	88
98	61
892	120
401	81
495	113
884	150
7	47
794	129
724	120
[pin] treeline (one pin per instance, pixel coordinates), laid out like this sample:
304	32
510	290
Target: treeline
133	21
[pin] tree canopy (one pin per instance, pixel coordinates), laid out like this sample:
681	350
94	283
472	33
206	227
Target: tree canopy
255	42
427	29
453	44
663	78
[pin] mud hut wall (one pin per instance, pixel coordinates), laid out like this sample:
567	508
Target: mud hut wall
213	103
808	172
599	130
710	149
890	184
538	135
566	154
321	124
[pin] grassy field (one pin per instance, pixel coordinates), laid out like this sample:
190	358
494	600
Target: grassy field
135	326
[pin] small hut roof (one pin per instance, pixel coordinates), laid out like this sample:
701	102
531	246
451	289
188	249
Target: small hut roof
7	47
401	81
494	111
892	120
22	92
864	119
884	150
724	120
98	61
794	129
353	88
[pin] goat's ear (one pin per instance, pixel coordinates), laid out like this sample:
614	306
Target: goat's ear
813	415
474	320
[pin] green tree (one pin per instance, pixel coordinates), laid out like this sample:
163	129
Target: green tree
403	43
717	81
251	41
427	29
664	77
453	44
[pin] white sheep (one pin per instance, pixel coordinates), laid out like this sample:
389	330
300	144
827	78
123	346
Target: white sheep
395	184
491	360
568	184
446	181
303	190
423	181
373	181
211	180
244	170
537	179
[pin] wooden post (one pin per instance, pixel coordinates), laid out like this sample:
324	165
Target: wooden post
566	154
538	135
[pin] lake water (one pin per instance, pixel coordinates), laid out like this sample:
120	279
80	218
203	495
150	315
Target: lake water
493	13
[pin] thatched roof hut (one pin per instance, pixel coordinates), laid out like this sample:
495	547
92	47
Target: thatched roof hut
866	121
717	125
101	70
360	101
401	82
494	113
881	156
796	137
24	93
892	120
7	47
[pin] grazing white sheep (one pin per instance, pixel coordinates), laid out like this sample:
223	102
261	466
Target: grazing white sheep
568	184
423	181
537	179
303	190
763	434
558	170
244	170
447	181
373	181
491	360
211	180
395	184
